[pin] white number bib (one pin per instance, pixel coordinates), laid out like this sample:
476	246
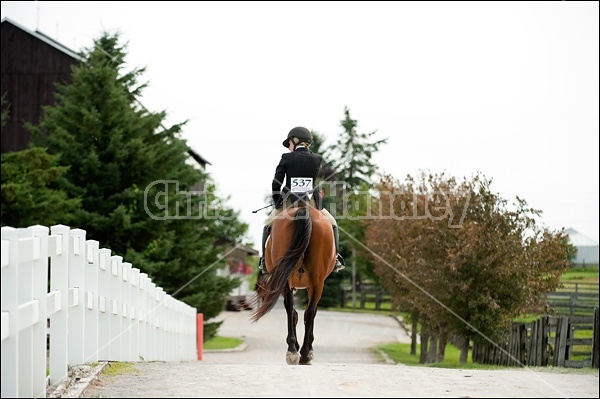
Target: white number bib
301	184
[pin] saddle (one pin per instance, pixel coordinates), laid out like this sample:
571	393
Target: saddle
299	199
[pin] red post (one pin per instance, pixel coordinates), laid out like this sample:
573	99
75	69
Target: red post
200	334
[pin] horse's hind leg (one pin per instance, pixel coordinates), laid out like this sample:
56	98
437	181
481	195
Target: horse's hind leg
292	356
306	353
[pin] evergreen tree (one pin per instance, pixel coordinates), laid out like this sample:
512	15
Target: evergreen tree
355	151
345	168
29	196
28	193
134	181
355	172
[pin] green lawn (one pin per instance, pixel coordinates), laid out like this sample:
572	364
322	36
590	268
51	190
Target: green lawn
400	353
218	342
587	275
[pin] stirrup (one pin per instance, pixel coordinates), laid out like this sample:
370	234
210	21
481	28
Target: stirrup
262	266
338	264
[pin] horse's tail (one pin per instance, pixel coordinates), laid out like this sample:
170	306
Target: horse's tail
276	281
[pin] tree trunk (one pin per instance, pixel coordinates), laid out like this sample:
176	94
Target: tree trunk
464	349
441	352
433	345
424	344
413	333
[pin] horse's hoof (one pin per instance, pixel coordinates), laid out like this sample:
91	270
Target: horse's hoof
308	359
292	358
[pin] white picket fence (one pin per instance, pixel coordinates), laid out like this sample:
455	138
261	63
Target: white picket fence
66	302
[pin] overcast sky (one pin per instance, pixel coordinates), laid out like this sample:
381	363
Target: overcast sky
508	89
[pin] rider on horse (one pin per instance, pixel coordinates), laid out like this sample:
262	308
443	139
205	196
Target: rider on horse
300	168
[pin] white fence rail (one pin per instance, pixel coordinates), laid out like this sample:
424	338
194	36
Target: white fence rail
66	301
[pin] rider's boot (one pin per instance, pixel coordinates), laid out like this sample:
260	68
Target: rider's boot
339	261
261	264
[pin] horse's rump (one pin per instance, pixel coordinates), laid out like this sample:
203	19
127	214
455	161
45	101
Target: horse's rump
300	252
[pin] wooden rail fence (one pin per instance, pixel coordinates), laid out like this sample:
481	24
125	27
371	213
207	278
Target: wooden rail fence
550	340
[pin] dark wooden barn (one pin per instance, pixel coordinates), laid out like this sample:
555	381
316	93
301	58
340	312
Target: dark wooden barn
32	63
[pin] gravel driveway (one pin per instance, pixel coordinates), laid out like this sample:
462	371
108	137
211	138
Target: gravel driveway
344	366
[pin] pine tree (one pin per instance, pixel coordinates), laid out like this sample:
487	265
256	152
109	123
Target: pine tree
134	181
29	195
345	168
355	151
355	172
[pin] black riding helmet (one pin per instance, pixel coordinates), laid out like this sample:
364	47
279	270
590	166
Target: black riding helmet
302	133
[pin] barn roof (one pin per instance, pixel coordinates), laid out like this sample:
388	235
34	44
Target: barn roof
580	240
46	39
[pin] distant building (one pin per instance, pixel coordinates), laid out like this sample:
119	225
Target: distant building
587	249
32	65
238	264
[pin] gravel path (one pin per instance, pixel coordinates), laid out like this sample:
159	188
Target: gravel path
344	366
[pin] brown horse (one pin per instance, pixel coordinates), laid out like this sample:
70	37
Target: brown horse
299	254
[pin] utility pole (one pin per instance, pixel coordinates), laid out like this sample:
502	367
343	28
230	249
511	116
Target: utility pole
353	278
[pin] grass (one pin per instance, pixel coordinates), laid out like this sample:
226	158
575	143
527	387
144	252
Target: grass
400	353
117	368
369	308
526	318
581	275
219	343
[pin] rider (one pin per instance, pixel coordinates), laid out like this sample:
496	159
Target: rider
299	168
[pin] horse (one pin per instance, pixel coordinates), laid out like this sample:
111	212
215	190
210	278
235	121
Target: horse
300	254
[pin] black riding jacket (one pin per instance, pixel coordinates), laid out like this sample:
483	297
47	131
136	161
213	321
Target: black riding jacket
301	163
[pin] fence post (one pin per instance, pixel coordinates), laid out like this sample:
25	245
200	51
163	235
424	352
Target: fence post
40	294
596	340
116	282
90	308
143	316
151	323
560	348
164	324
190	351
175	340
10	313
104	303
125	311
59	284
25	296
134	350
200	334
545	328
76	316
159	323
